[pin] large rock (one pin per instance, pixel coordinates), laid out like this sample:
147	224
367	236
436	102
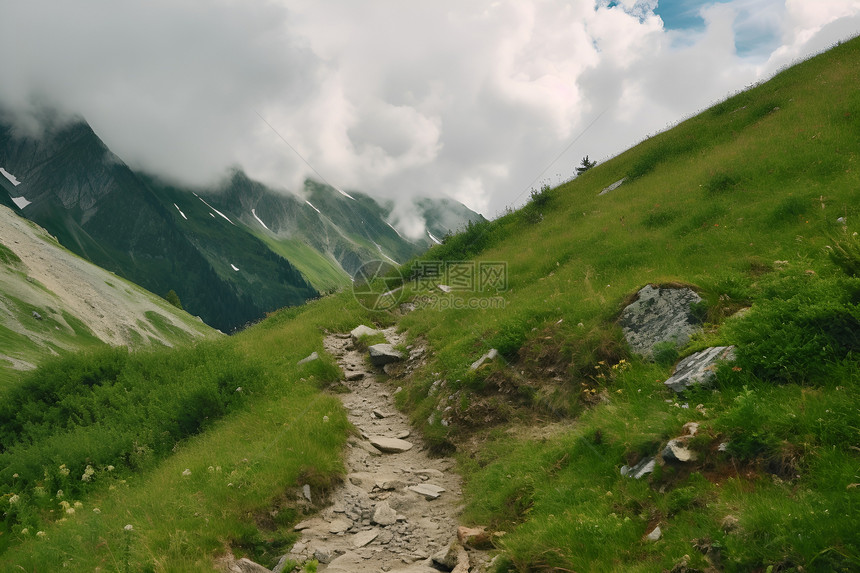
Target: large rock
699	368
382	354
659	315
677	451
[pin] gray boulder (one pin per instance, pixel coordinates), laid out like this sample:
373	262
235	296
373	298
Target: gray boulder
659	315
699	368
389	445
643	468
382	354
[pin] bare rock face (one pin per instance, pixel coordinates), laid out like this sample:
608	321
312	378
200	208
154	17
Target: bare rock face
699	368
659	315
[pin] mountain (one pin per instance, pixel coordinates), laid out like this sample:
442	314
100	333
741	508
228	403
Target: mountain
231	253
56	302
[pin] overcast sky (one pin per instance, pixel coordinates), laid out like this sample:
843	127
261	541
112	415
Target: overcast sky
470	99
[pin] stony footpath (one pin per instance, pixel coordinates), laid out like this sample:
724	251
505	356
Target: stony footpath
397	508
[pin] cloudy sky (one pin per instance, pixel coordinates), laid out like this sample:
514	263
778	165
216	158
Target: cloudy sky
478	100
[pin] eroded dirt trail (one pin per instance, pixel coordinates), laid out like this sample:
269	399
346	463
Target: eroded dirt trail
396	509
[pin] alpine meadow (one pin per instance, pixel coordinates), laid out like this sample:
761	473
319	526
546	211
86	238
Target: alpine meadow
166	459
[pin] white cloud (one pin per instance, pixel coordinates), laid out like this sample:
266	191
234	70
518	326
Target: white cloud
467	99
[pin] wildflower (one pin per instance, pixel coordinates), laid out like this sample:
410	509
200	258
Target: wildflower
325	419
78	505
40	491
41	534
64	470
129	527
25	531
14	475
96	510
70	511
110	468
59	494
14	499
187	472
210	469
88	474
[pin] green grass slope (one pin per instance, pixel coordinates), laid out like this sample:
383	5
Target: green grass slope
743	202
740	202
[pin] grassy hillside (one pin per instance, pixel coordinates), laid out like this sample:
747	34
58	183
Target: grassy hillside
741	202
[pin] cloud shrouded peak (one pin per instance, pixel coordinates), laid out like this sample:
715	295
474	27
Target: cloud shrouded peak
469	100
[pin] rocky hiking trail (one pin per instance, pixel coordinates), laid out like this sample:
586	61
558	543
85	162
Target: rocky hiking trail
397	508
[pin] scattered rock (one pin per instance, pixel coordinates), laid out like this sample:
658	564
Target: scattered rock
659	315
380	414
430	473
353	376
446	558
403	434
243	565
310	358
365	537
612	187
644	467
339	526
390	445
445	288
476	537
348	562
699	368
382	354
383	514
676	451
488	357
37	316
429	491
362	330
655	534
306	491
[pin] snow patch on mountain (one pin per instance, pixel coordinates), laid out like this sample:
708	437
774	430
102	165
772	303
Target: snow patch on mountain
344	193
14	180
378	248
434	239
312	207
254	213
234	267
21	202
180	211
214	209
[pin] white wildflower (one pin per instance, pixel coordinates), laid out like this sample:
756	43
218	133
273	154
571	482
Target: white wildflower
41	534
96	510
25	531
129	527
187	472
14	499
64	470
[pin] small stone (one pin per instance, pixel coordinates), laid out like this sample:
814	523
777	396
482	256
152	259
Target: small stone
644	467
365	537
429	472
353	376
403	435
362	330
389	445
310	358
383	514
676	451
380	414
655	534
476	537
306	491
429	491
382	354
339	526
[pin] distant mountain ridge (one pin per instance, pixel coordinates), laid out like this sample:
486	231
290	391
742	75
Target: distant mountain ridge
232	253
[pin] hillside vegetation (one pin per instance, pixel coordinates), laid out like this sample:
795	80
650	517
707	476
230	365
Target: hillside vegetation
754	203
